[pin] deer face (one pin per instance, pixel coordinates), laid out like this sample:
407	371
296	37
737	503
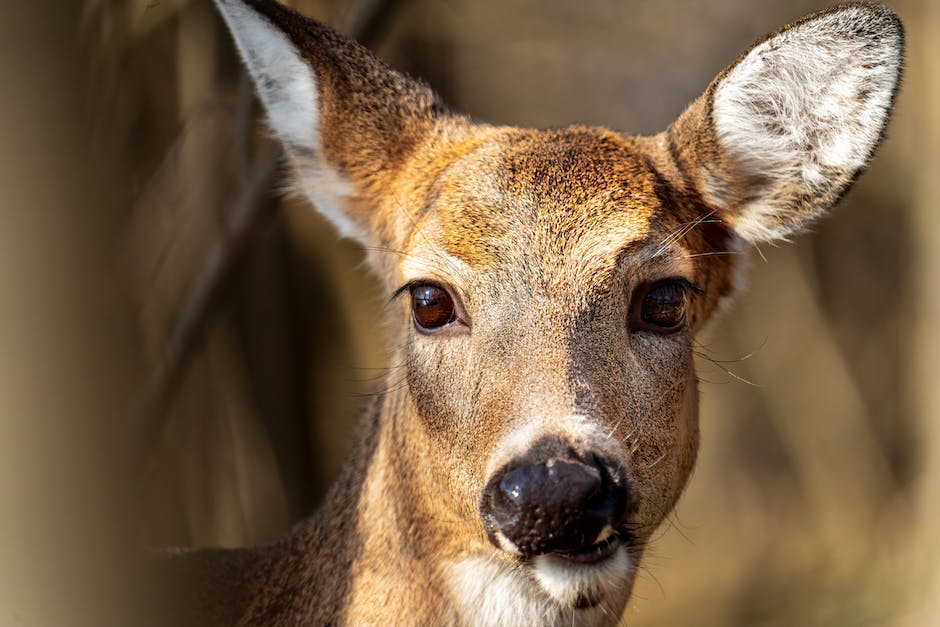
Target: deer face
552	291
551	283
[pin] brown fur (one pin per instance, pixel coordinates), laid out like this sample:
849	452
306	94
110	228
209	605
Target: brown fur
544	237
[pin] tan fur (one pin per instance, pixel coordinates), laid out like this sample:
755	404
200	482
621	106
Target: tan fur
543	237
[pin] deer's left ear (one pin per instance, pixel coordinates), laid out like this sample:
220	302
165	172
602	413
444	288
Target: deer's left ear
347	121
782	134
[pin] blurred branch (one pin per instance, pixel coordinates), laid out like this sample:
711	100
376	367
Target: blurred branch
367	22
245	218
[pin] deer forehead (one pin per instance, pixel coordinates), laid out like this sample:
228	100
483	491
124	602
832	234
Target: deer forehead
543	199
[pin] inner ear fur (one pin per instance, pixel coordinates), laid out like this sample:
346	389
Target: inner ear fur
781	134
348	122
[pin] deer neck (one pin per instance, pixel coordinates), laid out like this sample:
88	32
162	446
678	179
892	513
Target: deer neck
394	548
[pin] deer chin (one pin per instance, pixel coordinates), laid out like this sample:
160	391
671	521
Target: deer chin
583	578
580	583
549	589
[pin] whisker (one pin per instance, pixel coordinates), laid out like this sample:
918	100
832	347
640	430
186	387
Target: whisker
760	252
401	253
728	371
714	253
431	247
681	232
656	461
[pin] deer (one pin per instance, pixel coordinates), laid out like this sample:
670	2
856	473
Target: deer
546	287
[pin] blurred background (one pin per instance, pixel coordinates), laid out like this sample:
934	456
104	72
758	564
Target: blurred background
183	351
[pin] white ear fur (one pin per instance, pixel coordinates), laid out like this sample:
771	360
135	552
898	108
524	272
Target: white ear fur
287	85
285	82
801	114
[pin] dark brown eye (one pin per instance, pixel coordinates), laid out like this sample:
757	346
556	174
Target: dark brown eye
431	306
663	306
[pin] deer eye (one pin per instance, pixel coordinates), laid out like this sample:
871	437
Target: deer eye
431	306
662	307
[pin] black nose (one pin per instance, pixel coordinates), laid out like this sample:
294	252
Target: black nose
559	505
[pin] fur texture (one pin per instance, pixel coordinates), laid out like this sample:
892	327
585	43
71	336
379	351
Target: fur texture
790	126
548	243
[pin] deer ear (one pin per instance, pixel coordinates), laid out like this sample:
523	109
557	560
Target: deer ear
783	133
347	121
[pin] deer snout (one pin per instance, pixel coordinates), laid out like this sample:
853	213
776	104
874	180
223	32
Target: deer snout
557	505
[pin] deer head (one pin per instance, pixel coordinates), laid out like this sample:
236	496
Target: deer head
547	287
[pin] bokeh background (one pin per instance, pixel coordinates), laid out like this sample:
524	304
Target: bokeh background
183	351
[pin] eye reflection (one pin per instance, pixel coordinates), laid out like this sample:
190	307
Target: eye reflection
431	306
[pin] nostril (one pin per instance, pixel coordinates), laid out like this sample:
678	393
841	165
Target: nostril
555	481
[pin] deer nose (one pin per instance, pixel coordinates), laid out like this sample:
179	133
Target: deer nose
555	506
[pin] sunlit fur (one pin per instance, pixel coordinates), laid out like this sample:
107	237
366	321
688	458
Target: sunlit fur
796	119
543	238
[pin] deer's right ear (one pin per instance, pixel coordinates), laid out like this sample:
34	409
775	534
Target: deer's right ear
347	121
780	135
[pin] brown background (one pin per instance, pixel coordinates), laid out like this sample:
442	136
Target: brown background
182	353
